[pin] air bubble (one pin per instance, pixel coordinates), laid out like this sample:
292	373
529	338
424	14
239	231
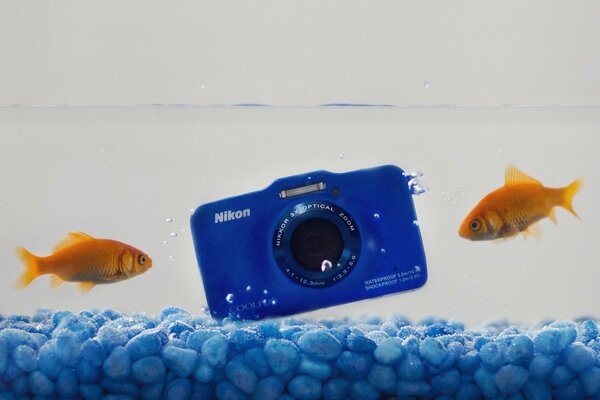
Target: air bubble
248	288
171	257
165	242
265	291
229	298
426	84
418	268
326	265
169	219
102	150
273	302
342	156
416	222
376	216
173	234
417	187
382	250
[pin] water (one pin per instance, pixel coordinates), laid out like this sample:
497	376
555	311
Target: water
149	180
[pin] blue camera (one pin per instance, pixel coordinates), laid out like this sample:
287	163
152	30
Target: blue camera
309	241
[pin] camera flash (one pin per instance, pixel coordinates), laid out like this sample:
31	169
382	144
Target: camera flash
315	187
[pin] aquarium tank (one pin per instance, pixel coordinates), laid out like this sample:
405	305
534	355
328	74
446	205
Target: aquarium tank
119	122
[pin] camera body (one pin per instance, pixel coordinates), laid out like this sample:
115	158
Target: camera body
309	241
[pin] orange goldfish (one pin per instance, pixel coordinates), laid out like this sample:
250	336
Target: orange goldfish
515	207
84	259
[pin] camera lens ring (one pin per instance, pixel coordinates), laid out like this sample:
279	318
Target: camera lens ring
325	225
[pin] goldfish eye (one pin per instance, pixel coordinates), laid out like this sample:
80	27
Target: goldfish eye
141	259
475	225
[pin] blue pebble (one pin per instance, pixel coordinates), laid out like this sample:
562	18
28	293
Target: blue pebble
560	376
145	344
377	336
3	357
511	378
40	384
268	389
25	358
520	350
153	391
178	389
269	329
68	348
255	358
118	363
118	386
110	338
320	344
580	357
411	368
304	387
383	378
493	355
204	372
20	386
336	389
486	381
315	368
361	390
196	339
181	361
540	366
58	316
227	391
413	388
433	351
588	330
446	382
389	351
468	391
354	365
570	391
87	372
281	355
554	340
91	350
173	310
241	376
214	350
148	369
537	390
590	381
90	392
66	383
48	360
360	343
468	363
12	372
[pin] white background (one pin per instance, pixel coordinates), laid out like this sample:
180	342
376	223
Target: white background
82	149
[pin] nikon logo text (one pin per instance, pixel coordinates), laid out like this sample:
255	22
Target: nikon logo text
229	215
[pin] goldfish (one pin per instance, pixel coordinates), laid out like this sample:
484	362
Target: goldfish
89	261
516	206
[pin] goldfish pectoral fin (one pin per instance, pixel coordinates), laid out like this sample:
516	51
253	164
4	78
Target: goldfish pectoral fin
85	287
32	270
552	216
55	281
514	176
71	239
534	231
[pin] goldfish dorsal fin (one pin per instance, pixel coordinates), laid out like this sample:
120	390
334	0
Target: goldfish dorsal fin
85	287
72	239
514	176
55	281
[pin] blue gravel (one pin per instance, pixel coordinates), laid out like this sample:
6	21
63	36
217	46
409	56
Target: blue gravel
111	355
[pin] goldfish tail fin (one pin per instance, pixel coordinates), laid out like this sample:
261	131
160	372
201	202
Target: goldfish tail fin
32	269
568	193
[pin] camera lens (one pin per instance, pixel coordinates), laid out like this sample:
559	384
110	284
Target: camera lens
316	243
